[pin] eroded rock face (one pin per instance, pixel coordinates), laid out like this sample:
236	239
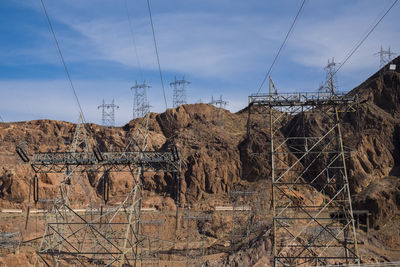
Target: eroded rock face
381	198
216	149
208	139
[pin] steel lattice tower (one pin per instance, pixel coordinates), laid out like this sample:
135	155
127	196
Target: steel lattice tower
107	237
141	105
330	71
311	206
179	93
108	113
385	56
219	103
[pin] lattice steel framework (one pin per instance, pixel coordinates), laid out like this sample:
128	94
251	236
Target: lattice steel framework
107	237
330	72
152	242
248	215
385	56
179	93
312	215
219	103
242	216
108	113
195	250
141	104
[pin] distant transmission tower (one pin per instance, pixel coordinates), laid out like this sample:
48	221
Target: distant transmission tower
385	56
219	103
179	94
330	71
108	113
141	105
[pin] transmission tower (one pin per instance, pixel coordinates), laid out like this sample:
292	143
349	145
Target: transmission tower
385	56
330	71
141	105
195	252
312	214
219	103
108	113
108	238
179	93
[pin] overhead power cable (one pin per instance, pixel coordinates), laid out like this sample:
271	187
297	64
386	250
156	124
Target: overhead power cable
350	54
62	59
283	44
133	39
158	58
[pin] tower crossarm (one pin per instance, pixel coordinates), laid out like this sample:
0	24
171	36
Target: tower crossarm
311	100
150	161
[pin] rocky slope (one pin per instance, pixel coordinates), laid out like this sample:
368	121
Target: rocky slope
218	153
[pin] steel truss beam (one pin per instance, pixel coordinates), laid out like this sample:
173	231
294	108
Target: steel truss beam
112	238
312	215
59	162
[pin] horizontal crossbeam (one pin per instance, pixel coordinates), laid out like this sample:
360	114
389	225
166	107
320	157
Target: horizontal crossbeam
310	99
58	162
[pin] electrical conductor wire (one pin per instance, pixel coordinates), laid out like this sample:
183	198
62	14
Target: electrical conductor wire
158	57
283	44
62	59
133	39
350	54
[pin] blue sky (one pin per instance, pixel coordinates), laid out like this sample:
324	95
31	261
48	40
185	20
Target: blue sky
223	47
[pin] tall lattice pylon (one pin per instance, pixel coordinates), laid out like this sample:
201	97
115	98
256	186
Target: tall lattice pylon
221	104
330	71
179	92
108	113
141	104
385	56
108	236
57	227
311	206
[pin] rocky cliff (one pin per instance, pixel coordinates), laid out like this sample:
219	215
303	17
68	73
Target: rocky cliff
217	152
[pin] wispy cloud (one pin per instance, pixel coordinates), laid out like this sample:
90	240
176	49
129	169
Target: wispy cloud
224	47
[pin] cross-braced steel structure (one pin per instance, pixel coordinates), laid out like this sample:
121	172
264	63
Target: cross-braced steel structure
107	237
311	206
195	249
108	113
248	215
152	243
385	56
179	93
330	73
221	104
242	216
141	104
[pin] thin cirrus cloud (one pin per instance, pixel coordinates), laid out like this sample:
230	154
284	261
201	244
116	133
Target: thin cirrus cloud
223	47
196	44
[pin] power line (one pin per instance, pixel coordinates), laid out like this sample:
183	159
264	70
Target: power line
158	58
365	37
283	44
133	39
62	59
